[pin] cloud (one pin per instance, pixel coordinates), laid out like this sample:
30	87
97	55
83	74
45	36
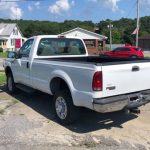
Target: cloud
145	4
72	3
10	10
30	8
37	5
112	4
34	6
60	6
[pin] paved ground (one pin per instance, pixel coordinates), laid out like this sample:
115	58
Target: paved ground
27	122
147	53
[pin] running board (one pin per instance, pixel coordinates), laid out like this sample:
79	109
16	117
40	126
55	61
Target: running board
25	88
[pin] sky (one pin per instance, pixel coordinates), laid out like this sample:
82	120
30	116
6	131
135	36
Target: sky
60	10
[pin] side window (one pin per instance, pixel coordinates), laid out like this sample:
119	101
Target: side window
121	49
117	50
26	48
126	49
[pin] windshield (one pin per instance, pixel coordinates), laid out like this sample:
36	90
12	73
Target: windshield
138	49
60	46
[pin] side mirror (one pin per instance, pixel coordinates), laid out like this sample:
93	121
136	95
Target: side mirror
13	55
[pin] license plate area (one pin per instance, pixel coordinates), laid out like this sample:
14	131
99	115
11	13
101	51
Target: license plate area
132	99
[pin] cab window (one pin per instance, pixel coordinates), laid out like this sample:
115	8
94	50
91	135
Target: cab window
26	48
60	46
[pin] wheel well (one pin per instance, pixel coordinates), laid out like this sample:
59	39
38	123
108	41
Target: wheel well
58	84
8	71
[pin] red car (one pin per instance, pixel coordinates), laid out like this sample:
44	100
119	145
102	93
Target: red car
126	52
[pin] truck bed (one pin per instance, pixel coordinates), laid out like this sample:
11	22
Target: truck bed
123	75
98	60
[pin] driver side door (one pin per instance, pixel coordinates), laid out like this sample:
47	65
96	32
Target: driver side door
21	66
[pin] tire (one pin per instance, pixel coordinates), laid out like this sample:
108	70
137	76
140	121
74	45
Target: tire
11	84
133	56
65	111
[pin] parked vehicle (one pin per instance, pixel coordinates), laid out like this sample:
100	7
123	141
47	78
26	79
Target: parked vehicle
126	52
60	66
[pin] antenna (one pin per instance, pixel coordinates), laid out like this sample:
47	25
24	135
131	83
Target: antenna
138	26
16	13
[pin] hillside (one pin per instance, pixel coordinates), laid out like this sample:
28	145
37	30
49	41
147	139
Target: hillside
121	31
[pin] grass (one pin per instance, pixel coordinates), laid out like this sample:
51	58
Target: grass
13	102
2	78
2	111
3	54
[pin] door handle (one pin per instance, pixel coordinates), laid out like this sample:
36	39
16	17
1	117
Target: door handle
135	68
27	65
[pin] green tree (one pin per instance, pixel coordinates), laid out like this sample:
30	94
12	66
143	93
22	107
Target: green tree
116	36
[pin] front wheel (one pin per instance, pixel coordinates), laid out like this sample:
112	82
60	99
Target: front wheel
65	111
134	56
11	84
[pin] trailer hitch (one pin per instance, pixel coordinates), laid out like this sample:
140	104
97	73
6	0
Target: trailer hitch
134	111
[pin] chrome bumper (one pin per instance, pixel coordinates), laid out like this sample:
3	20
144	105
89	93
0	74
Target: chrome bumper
117	103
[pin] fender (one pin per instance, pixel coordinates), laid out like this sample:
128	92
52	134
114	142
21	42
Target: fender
63	75
7	63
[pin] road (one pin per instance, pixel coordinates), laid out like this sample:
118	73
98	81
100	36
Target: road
27	122
147	53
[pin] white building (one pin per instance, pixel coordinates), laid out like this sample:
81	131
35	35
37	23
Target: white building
94	42
11	37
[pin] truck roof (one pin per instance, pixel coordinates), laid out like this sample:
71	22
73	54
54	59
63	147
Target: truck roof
55	36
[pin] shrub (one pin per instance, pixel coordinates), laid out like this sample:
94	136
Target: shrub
1	50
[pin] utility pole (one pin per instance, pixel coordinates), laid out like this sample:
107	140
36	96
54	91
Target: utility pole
110	26
138	26
16	14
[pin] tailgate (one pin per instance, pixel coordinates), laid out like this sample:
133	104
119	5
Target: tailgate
125	78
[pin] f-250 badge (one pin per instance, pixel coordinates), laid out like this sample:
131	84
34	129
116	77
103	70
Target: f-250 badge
111	88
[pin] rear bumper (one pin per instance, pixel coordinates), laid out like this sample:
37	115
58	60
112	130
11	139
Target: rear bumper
127	101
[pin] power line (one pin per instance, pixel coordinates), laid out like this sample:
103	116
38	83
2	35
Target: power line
19	0
132	8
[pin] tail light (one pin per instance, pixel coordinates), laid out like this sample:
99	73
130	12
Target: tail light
97	84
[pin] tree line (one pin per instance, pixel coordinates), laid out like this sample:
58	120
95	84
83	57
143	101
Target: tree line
121	31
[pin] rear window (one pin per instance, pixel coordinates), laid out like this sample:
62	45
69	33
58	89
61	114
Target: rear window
60	46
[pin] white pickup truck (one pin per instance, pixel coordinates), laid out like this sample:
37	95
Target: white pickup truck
60	66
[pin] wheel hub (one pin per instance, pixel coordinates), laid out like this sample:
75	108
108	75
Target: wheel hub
61	107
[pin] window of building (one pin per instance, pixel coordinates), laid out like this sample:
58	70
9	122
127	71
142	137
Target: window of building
4	43
15	31
90	43
100	44
12	42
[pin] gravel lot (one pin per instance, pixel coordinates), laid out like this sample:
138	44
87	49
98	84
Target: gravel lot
27	122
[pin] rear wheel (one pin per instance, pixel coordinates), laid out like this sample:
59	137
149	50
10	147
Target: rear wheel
65	111
10	84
